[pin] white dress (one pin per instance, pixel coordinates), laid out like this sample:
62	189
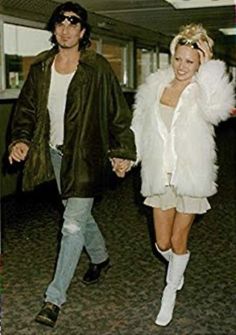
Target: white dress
170	199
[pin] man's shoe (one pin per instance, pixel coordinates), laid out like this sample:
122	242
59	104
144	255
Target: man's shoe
94	272
48	314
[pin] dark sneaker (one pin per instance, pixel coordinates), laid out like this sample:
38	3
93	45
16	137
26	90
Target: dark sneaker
48	314
94	272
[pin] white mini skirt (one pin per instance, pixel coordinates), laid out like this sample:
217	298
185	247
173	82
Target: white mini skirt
183	204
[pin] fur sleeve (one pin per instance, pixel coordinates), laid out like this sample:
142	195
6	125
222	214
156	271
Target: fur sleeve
138	117
216	98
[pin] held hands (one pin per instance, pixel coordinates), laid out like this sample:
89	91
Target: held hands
205	51
18	152
121	166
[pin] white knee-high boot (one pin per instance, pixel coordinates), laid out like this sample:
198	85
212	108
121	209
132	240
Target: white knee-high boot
177	265
167	255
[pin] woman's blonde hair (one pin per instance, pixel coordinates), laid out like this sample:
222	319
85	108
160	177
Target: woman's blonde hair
189	35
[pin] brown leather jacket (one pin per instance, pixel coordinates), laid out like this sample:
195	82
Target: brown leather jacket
97	125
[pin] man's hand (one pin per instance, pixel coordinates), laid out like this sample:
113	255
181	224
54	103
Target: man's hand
18	152
121	166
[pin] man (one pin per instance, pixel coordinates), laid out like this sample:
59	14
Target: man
71	116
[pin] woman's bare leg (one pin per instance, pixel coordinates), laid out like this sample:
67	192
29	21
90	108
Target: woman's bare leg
176	266
180	232
163	223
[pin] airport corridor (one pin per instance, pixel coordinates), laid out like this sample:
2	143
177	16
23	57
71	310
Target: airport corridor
126	301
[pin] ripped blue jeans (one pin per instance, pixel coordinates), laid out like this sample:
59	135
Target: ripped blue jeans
79	230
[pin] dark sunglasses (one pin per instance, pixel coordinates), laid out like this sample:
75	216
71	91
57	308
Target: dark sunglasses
72	19
184	41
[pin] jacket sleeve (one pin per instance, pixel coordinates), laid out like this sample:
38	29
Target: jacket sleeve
216	98
23	121
121	138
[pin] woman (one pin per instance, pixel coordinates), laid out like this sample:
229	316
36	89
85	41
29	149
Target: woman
175	113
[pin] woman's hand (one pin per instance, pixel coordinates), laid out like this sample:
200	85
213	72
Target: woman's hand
18	152
204	50
121	166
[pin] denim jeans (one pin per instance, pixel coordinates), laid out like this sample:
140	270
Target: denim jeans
79	230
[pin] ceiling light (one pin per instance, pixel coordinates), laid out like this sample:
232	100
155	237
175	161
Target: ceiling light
183	4
228	31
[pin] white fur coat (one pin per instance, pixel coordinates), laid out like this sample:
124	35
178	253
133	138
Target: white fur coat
206	101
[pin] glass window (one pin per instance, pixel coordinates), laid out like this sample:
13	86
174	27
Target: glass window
164	60
146	64
116	55
116	52
232	71
21	44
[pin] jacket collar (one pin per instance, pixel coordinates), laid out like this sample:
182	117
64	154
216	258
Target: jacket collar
87	56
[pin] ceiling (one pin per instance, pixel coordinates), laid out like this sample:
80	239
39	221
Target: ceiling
153	20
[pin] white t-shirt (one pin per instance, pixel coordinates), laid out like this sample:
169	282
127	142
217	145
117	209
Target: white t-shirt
56	105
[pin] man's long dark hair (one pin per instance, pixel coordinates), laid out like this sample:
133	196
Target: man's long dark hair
81	12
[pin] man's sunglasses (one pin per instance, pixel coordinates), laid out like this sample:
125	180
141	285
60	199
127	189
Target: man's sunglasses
72	19
185	41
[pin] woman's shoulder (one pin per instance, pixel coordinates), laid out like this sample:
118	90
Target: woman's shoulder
211	71
160	77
